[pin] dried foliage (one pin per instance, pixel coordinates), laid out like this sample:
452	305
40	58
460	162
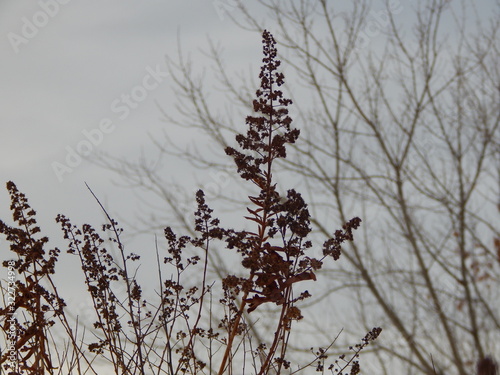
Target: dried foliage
487	366
398	105
140	336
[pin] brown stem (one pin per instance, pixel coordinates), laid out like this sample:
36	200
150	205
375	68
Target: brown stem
234	330
277	334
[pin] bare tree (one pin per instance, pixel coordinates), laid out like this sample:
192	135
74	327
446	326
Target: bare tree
400	110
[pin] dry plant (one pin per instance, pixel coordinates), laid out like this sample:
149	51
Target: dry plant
173	335
487	366
399	106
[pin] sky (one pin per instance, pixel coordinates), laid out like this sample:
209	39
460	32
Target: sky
88	78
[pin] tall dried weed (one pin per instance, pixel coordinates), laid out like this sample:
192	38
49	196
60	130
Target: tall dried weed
181	332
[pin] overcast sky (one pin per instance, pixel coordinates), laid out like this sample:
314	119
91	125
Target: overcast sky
72	72
89	74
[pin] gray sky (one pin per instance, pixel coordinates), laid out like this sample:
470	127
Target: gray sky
71	68
88	74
